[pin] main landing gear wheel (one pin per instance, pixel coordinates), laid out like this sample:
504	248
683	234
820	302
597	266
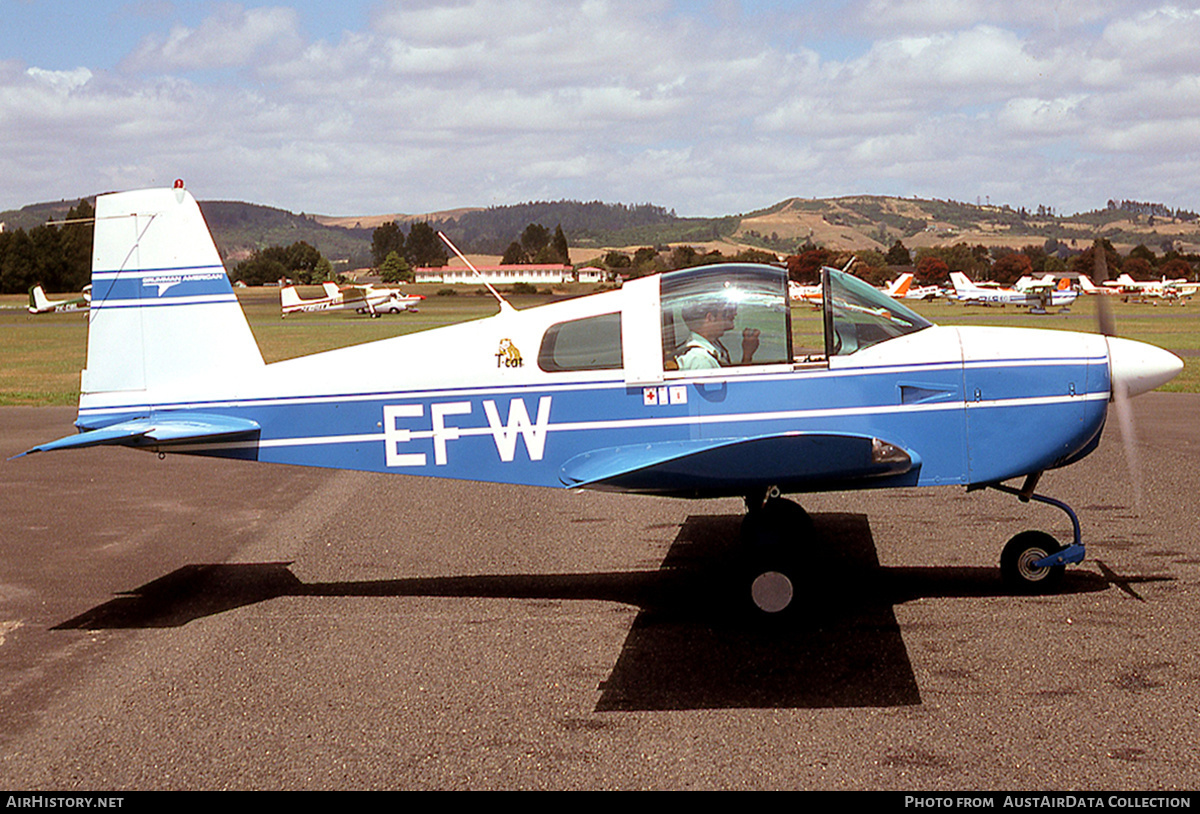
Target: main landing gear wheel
1017	563
773	535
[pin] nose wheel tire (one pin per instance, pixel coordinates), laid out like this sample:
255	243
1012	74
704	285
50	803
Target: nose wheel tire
772	591
1017	563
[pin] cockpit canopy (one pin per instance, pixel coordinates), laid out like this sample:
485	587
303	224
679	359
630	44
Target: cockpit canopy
730	315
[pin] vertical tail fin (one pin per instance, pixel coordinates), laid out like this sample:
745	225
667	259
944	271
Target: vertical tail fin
901	285
162	308
962	284
37	300
288	298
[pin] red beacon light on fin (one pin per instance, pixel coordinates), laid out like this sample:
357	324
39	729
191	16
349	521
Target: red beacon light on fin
178	183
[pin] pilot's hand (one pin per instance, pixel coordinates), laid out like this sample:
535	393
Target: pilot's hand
749	344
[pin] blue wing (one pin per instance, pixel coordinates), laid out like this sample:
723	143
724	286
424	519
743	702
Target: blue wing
712	467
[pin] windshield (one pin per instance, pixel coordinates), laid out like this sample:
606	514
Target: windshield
857	315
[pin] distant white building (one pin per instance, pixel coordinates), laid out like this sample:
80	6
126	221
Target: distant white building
549	274
591	274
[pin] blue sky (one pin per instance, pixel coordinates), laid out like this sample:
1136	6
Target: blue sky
707	108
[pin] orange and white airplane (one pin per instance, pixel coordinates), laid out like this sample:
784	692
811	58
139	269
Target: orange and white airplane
903	289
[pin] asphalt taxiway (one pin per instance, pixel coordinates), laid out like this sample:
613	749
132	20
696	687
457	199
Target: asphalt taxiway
200	624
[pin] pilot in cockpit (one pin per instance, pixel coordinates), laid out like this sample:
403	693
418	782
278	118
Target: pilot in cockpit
708	320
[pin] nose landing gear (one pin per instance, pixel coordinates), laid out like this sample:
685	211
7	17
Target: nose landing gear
1033	562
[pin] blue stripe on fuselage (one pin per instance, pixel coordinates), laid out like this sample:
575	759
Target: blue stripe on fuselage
524	434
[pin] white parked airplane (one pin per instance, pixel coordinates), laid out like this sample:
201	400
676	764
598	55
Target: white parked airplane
1168	289
1037	296
798	292
40	304
1088	287
360	298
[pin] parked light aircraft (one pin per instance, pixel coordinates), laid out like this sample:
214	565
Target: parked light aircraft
902	289
624	391
1088	287
40	304
1027	283
361	298
1167	289
1038	295
897	288
798	292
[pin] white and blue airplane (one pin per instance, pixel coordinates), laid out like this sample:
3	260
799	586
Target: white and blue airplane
1038	295
629	390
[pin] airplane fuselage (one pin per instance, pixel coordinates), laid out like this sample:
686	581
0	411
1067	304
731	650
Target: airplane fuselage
471	401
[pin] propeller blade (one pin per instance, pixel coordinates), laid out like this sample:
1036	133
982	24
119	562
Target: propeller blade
1105	322
1129	440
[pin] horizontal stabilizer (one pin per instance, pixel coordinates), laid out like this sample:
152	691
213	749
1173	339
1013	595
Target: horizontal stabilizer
715	467
156	431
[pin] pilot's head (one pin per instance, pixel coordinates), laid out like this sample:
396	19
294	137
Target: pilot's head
710	317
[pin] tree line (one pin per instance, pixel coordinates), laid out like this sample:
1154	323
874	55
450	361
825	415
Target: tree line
394	253
299	262
651	260
492	230
56	256
537	246
1004	265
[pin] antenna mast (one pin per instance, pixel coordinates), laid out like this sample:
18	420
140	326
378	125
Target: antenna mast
504	304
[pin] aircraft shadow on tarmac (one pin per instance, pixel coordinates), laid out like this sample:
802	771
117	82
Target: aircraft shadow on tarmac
697	643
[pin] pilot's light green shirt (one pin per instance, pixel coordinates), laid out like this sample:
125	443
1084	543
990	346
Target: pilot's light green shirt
699	353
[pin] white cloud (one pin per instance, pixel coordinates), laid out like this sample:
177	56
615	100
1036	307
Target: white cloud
61	80
941	15
232	37
1161	40
438	104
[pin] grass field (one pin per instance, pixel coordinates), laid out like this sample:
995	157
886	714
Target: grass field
42	355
